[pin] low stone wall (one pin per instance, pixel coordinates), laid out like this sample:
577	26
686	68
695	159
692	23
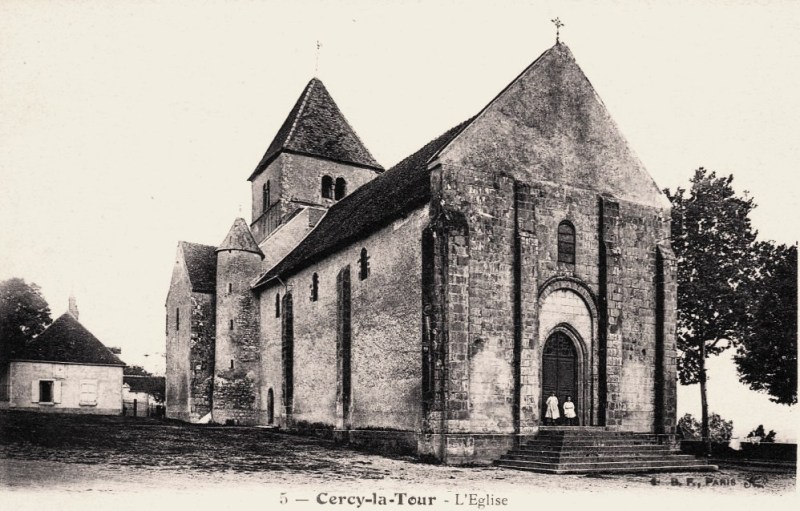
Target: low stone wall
748	451
769	451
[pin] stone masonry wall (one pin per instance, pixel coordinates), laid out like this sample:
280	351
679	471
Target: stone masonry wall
386	320
643	231
201	355
302	178
238	346
295	181
631	234
263	223
666	348
189	349
283	240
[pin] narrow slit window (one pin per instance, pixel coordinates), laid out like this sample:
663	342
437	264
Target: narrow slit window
265	198
314	287
327	187
277	305
230	288
177	319
363	264
230	325
566	243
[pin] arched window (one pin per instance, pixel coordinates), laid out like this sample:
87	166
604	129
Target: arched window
277	305
363	264
327	187
265	198
566	243
314	287
341	188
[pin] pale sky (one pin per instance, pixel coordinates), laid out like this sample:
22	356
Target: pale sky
128	126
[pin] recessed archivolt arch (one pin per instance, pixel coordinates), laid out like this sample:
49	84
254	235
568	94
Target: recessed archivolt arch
573	284
580	325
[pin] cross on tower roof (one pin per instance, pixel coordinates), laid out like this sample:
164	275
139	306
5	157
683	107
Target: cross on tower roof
558	24
316	63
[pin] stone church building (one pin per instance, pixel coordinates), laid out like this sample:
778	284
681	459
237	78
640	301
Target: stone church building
435	306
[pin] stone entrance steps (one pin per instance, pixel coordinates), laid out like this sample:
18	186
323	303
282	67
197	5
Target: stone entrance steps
585	450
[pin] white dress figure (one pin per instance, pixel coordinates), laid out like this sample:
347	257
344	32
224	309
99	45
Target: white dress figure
569	411
552	408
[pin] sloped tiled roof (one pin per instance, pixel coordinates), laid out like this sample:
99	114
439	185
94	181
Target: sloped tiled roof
315	126
201	264
399	189
240	238
66	340
148	384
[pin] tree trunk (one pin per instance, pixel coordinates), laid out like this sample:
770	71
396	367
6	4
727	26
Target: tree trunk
704	431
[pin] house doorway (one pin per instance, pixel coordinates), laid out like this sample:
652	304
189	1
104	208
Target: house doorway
559	372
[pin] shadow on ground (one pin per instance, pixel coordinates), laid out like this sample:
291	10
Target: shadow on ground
107	453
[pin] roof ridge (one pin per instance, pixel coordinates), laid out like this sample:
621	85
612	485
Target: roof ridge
499	94
240	238
317	127
382	176
347	123
73	342
184	242
403	187
300	110
200	263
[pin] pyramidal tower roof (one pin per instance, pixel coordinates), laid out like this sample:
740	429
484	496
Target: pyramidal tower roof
316	127
240	238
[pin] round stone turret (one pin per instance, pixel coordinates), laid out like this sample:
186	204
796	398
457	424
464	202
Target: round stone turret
237	334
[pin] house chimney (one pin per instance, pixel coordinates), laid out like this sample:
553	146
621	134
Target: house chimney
73	306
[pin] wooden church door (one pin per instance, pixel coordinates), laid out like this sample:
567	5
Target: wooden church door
559	371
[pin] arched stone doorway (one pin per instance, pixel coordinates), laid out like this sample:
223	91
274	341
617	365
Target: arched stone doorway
561	373
568	307
270	407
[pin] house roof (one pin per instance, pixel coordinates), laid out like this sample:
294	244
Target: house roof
148	384
240	238
66	340
316	127
400	189
201	264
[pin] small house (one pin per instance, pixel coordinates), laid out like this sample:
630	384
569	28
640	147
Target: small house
143	396
65	369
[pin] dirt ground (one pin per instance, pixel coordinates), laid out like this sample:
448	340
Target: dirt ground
52	456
